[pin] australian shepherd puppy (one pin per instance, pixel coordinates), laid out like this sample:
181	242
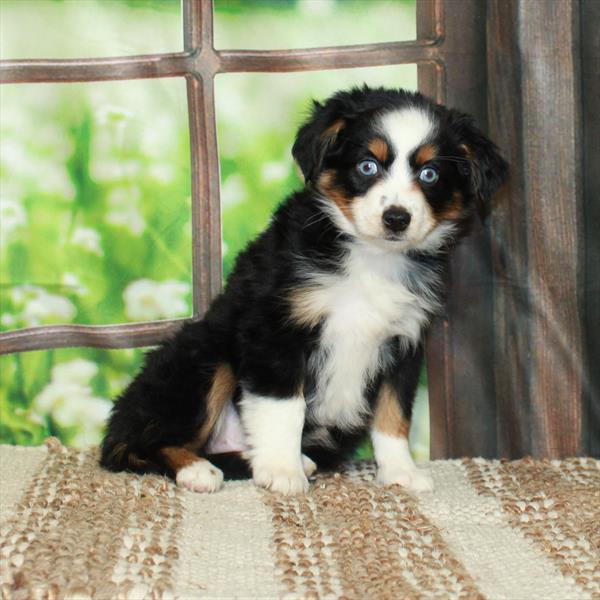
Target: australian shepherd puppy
318	335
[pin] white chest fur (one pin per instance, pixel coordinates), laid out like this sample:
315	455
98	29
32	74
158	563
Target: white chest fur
361	309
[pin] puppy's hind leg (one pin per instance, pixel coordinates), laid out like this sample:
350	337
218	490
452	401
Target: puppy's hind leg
191	471
169	411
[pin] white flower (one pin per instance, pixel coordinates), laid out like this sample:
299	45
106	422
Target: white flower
68	400
12	216
7	320
158	140
52	178
233	191
20	293
128	217
86	410
124	211
78	371
71	281
46	308
273	171
56	394
148	300
40	307
124	196
161	172
87	238
108	169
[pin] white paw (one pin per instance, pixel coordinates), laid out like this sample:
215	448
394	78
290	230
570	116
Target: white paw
280	478
200	476
414	480
308	465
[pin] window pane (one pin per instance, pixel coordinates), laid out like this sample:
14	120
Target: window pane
94	203
270	24
66	393
88	28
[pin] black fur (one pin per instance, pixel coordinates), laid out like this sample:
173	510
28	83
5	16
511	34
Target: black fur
249	327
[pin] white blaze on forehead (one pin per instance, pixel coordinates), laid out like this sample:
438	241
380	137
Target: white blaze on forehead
406	129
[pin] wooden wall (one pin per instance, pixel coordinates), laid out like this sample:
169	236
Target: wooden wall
514	364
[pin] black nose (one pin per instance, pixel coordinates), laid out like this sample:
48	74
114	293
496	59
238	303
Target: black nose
396	219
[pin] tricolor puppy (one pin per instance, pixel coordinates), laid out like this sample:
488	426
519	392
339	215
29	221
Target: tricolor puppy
318	336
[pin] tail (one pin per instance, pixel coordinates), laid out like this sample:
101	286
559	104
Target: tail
166	415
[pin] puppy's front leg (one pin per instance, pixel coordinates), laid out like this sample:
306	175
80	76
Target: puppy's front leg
274	433
389	434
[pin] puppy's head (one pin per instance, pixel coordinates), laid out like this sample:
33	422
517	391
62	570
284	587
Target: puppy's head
395	169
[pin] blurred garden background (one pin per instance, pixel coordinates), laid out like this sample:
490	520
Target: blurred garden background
95	180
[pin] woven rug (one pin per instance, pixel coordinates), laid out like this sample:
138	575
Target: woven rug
523	529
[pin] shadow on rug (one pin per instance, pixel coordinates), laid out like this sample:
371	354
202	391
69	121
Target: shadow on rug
491	529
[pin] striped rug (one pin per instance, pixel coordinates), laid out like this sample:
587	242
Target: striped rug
515	530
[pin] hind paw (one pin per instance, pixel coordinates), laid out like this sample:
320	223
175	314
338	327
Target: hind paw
308	465
200	476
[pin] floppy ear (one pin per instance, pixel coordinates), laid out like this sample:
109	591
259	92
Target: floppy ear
487	170
317	136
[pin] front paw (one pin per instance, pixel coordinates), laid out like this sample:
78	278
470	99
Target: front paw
414	480
282	479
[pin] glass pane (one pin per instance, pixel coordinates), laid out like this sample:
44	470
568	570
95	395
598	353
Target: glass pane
66	393
88	28
257	170
272	24
94	203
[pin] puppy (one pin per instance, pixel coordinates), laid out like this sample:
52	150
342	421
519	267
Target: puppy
318	335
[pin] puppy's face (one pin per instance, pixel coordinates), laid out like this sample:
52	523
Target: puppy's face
396	170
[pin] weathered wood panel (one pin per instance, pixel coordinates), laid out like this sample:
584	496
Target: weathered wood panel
590	76
535	113
513	365
459	358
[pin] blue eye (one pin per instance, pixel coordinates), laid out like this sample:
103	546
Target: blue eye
429	175
368	168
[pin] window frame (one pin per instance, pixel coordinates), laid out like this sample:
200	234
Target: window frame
199	63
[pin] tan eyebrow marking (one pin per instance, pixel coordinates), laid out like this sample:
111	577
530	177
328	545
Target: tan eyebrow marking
380	149
425	153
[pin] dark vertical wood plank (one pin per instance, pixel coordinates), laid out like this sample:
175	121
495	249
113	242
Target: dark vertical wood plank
431	77
512	307
590	74
549	38
459	357
535	113
472	398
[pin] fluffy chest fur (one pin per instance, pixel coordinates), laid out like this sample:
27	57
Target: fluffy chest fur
366	304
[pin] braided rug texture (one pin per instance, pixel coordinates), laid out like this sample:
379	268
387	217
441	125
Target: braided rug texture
491	529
